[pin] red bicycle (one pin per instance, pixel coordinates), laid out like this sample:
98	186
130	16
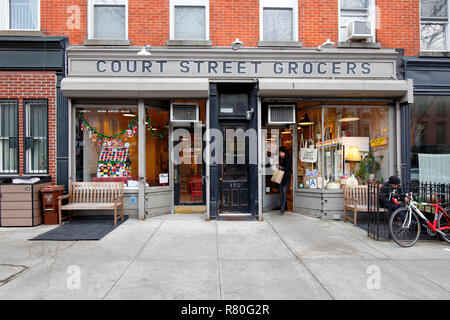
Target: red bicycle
404	224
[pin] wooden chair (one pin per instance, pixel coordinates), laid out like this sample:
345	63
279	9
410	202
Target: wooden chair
93	196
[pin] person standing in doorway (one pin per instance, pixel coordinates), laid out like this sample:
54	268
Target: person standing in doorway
286	166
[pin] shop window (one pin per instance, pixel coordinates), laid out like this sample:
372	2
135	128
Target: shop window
430	139
19	14
106	146
189	168
434	25
108	19
279	20
157	146
36	137
9	134
357	20
189	20
337	143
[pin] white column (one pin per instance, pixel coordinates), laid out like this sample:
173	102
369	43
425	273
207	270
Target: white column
141	156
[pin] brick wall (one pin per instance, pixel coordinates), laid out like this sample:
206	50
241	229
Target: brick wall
398	22
24	85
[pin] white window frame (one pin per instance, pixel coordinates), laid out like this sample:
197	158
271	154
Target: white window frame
5	17
92	3
447	33
28	160
372	13
279	4
187	3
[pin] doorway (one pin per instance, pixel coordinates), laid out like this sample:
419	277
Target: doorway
189	173
234	172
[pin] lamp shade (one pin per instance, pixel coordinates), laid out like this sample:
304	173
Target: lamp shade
306	121
353	154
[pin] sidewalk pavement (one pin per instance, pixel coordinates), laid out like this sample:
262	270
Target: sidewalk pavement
288	256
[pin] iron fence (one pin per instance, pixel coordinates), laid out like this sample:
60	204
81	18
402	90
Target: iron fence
378	219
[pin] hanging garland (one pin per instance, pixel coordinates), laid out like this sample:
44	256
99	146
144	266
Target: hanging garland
126	133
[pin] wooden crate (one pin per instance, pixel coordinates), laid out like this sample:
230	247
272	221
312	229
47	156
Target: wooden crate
20	204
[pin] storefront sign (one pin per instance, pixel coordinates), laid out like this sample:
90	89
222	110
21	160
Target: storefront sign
308	155
222	68
379	142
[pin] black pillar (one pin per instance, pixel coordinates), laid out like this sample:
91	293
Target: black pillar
405	116
213	167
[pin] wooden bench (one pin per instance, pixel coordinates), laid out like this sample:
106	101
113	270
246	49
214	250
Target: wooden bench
93	196
355	199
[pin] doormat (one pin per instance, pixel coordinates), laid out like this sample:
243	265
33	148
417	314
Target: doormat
82	228
236	218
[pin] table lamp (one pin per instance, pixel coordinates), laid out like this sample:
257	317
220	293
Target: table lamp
353	156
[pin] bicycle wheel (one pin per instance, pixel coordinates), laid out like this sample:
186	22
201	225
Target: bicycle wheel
444	221
404	234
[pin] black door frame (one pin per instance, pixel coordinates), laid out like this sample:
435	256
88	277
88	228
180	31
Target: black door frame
214	173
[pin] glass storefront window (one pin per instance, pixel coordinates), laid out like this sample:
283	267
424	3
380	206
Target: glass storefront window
106	143
157	146
430	139
337	143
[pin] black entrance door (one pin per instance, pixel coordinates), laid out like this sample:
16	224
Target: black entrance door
234	172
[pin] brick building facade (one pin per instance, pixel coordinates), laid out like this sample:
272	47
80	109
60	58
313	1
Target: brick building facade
307	49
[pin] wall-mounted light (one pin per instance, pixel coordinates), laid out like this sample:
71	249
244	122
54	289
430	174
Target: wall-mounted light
326	45
145	51
237	44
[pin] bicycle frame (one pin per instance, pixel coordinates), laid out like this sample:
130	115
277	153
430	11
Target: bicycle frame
412	205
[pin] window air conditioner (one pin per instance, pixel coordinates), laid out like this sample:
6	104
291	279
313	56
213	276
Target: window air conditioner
281	114
184	112
359	30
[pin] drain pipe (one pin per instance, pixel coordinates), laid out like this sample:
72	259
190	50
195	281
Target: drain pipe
399	138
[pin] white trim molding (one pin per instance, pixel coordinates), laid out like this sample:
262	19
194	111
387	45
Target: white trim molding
5	23
370	14
279	4
188	3
93	3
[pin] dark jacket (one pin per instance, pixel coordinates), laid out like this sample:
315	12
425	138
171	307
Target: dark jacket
286	166
383	195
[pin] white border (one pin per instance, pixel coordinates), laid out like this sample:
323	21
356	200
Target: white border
293	106
90	13
447	33
184	104
187	3
5	14
286	4
372	19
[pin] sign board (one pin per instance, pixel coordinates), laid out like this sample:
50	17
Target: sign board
163	178
207	68
378	142
308	155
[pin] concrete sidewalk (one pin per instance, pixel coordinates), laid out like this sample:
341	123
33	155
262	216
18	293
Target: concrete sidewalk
184	257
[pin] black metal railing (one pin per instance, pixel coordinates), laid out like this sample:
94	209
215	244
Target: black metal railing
379	214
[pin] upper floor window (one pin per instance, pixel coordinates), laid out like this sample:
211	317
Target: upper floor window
357	20
434	25
19	15
279	20
189	19
108	19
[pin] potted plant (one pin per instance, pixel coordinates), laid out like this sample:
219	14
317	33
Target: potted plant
368	167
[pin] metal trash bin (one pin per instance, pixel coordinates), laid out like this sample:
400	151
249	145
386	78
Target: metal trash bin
50	196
